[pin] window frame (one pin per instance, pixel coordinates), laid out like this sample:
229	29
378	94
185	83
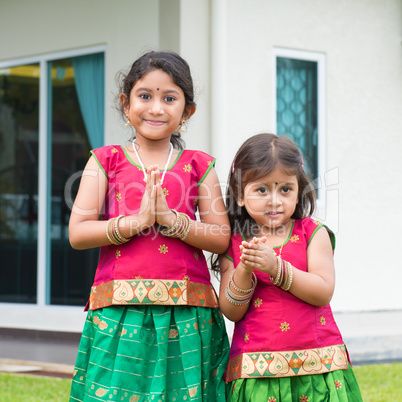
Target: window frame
10	311
320	59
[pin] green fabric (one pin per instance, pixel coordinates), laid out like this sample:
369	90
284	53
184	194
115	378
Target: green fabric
151	353
336	386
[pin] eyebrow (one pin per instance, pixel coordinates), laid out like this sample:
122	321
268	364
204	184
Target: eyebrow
290	183
141	89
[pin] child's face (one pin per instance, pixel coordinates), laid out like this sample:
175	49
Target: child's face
156	106
272	199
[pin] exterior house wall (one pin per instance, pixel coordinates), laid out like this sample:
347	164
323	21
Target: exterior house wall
229	46
362	44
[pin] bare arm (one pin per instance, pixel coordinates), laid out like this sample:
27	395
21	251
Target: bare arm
316	286
85	228
212	233
242	279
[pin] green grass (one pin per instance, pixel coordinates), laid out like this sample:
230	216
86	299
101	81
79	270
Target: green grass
16	388
379	383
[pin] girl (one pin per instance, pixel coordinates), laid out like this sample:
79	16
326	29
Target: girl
277	280
153	331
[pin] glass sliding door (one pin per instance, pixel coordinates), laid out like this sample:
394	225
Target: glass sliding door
19	134
52	106
76	128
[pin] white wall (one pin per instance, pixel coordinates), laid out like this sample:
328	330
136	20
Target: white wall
228	44
362	43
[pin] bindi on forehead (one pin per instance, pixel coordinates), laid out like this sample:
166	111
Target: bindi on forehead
157	89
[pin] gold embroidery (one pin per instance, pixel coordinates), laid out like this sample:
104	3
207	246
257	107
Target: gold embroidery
246	337
322	321
294	238
114	150
165	192
258	302
196	255
153	291
118	254
193	391
287	363
118	196
173	333
196	202
284	326
101	392
187	168
163	249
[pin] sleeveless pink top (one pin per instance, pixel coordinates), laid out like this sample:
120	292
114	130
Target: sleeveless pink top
280	335
151	268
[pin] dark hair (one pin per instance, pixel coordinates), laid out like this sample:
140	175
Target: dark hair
172	64
256	158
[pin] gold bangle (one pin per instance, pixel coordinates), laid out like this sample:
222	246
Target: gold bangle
109	234
121	238
278	278
237	289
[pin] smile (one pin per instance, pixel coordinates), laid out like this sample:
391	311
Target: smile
155	122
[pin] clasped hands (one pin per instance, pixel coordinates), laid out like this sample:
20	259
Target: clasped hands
257	254
154	207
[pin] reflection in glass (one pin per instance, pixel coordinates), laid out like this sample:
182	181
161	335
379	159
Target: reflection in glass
72	271
19	133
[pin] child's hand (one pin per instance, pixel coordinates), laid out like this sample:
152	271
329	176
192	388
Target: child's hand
163	215
147	208
256	254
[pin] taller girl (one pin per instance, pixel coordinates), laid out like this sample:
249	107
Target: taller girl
277	282
154	331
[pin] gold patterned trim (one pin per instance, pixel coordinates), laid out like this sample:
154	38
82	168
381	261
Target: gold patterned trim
288	363
175	292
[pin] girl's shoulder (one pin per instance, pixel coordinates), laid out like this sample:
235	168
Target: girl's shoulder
197	156
107	151
308	227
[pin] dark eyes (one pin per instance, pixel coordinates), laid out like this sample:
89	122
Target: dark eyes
264	190
167	99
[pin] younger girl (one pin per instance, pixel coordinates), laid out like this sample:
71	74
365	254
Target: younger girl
277	280
154	331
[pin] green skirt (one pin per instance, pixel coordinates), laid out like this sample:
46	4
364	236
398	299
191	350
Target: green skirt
151	353
336	386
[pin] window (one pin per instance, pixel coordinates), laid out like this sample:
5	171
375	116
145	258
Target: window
51	115
299	110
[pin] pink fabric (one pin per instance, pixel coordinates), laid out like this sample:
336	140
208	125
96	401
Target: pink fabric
277	320
150	255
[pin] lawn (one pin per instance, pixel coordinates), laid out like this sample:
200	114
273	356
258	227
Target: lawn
379	383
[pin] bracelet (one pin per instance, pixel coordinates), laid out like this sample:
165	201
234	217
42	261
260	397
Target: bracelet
289	278
239	297
116	230
112	232
234	301
108	232
181	227
170	232
253	283
279	277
